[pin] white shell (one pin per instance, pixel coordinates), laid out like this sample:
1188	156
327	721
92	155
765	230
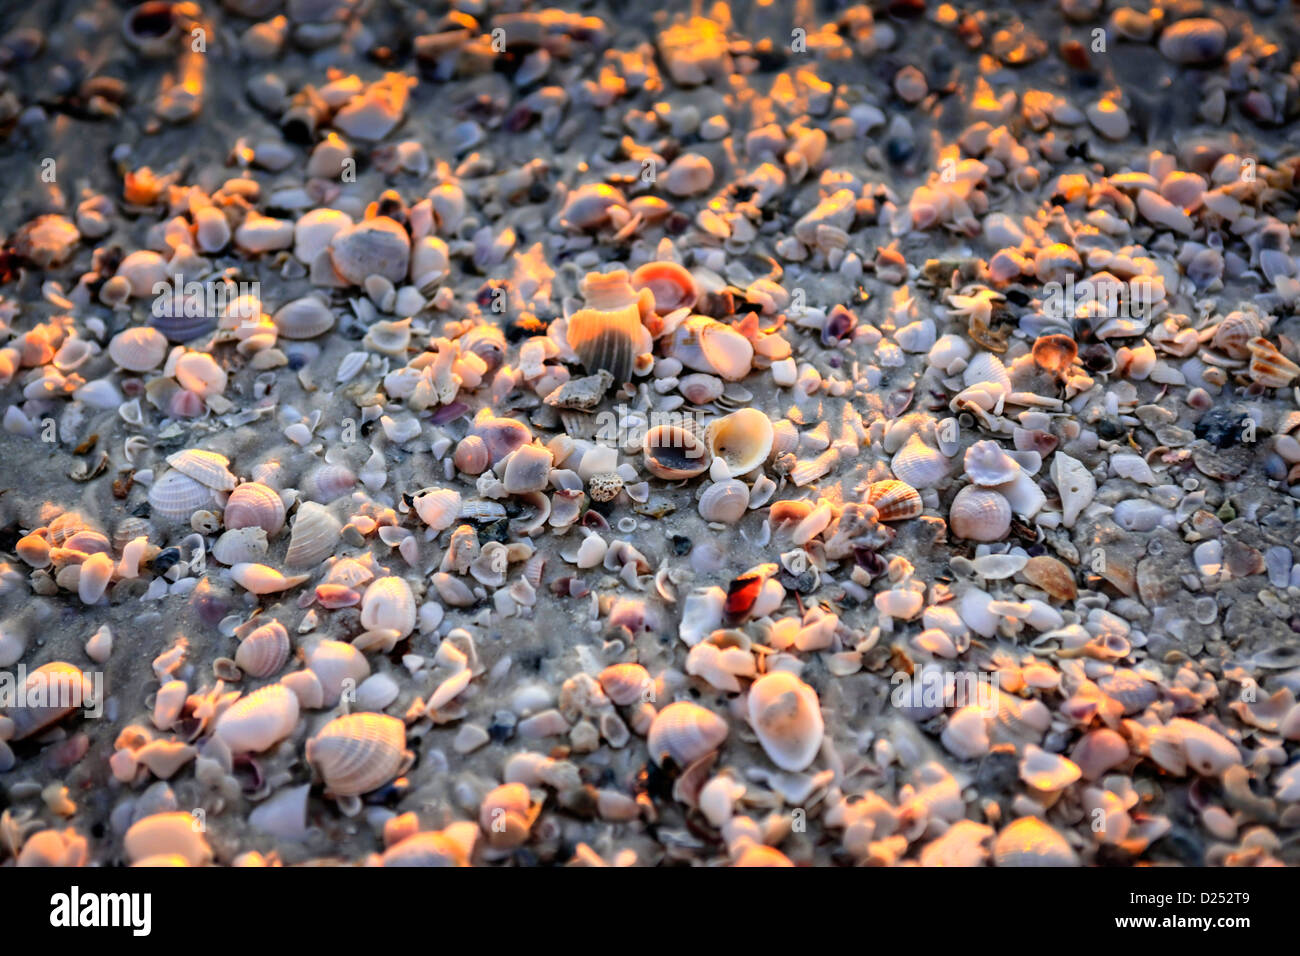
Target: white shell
315	535
240	546
177	496
1075	484
388	604
339	667
254	505
743	440
261	579
988	465
259	721
725	501
786	715
626	684
167	834
206	467
264	651
685	732
437	507
303	318
325	483
979	514
919	465
358	753
138	349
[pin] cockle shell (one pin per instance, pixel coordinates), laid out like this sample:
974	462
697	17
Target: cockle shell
685	732
979	514
339	668
672	286
673	452
138	349
608	333
437	507
471	456
315	535
325	483
918	464
988	465
264	651
1031	842
627	684
389	604
742	440
303	318
177	496
206	467
50	693
357	753
1268	366
724	501
707	345
894	500
254	505
259	721
1236	331
786	715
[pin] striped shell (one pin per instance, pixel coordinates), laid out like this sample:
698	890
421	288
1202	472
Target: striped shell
259	721
177	496
626	684
608	333
325	483
978	514
206	467
254	505
743	440
786	715
724	501
437	507
894	500
264	651
918	464
685	732
389	605
358	753
1268	366
315	535
60	686
138	349
303	318
672	452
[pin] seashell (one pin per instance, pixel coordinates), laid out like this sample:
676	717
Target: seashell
627	684
1055	353
254	505
199	373
1047	772
1099	751
608	334
206	467
315	535
1236	331
527	470
284	814
358	753
261	579
1052	576
264	651
724	501
259	721
700	389
1030	841
672	286
988	465
325	483
152	28
471	456
176	496
138	349
389	604
1207	751
706	345
685	732
338	667
894	500
786	716
316	229
1268	366
588	206
1075	485
167	834
995	567
378	246
742	440
1193	41
673	453
438	848
919	465
979	514
50	693
96	572
303	318
438	507
500	435
507	814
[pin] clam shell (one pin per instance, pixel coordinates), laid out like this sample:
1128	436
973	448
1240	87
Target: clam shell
685	732
979	514
608	334
724	501
358	753
176	496
254	505
241	546
894	500
707	345
1052	576
389	604
264	651
672	452
378	246
50	693
471	456
672	285
315	535
138	349
259	721
303	318
206	467
626	684
742	440
918	464
987	464
438	507
326	483
786	716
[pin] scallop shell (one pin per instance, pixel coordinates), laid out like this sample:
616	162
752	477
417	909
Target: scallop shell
389	604
50	693
978	514
206	467
254	505
138	349
264	651
786	716
742	440
672	285
918	464
626	684
724	501
1031	842
325	483
303	318
987	464
176	496
358	753
315	535
1268	366
438	507
259	721
685	732
608	333
672	452
894	500
706	345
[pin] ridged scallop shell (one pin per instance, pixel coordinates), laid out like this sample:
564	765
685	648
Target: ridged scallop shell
608	333
685	732
918	464
743	440
894	500
138	349
986	367
707	345
326	483
254	505
437	507
786	715
388	604
259	721
358	753
626	684
1268	366
62	687
672	285
315	535
176	496
672	452
206	467
724	501
978	514
1031	842
303	318
264	651
987	464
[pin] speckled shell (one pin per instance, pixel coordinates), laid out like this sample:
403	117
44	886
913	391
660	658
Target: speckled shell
685	732
264	651
978	514
206	467
742	439
259	721
254	505
177	496
358	753
388	604
786	715
61	687
894	500
315	535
